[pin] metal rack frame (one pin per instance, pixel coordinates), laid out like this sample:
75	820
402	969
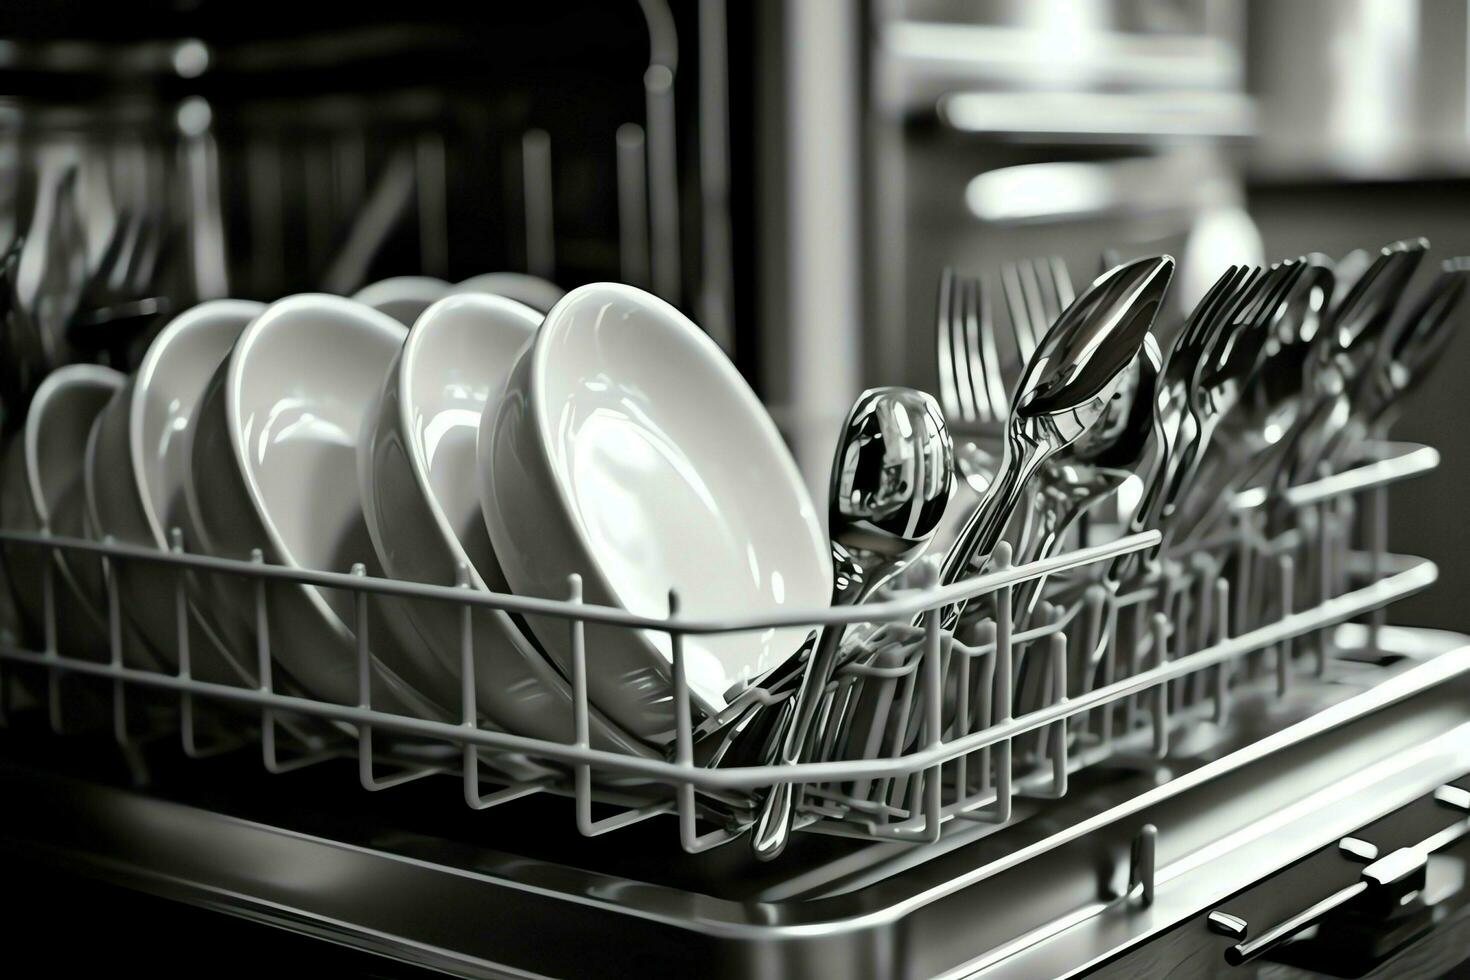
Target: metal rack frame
923	765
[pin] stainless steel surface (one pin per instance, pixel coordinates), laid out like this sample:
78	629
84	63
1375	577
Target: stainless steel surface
1231	360
919	813
1064	392
1252	799
1346	350
1171	412
1228	925
971	387
1094	469
891	482
1036	293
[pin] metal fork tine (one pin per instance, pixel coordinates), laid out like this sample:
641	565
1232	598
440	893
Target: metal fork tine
995	384
1010	284
969	329
964	370
949	398
1036	322
1047	288
976	352
1061	281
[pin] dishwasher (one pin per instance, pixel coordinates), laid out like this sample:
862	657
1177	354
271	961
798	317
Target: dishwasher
1234	765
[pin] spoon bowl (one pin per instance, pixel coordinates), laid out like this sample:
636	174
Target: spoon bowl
891	481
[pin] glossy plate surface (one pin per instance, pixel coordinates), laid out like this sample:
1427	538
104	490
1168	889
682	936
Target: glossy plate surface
137	461
423	510
274	467
629	450
42	489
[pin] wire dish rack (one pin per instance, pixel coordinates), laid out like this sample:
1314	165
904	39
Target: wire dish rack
1125	672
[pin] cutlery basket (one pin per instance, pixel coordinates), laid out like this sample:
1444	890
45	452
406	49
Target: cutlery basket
951	741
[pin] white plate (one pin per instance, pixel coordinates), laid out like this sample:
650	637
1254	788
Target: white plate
274	466
628	449
532	291
137	459
417	474
403	297
42	489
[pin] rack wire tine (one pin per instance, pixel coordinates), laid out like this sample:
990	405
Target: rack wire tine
115	649
54	709
1222	633
1286	569
269	755
366	770
1161	691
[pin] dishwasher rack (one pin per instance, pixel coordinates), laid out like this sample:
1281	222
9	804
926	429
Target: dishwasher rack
1203	624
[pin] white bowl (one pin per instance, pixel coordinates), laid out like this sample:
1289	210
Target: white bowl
533	291
274	466
137	460
419	491
628	449
42	490
403	297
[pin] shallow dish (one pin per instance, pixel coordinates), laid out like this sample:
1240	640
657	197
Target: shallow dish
628	449
42	490
419	491
273	465
533	291
137	459
403	297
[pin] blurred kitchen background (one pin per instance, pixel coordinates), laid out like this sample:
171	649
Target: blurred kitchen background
793	173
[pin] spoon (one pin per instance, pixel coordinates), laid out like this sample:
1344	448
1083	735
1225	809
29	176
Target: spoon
1406	357
1095	467
1342	353
1064	391
1230	362
1251	436
891	481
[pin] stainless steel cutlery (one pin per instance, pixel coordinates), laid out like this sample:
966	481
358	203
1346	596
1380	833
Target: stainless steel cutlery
891	481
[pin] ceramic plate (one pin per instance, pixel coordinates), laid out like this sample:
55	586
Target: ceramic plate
420	498
274	466
136	463
629	450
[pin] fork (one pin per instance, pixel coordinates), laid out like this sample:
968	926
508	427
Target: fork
1036	292
971	390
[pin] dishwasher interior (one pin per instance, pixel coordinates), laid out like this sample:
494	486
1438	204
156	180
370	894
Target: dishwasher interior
661	144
